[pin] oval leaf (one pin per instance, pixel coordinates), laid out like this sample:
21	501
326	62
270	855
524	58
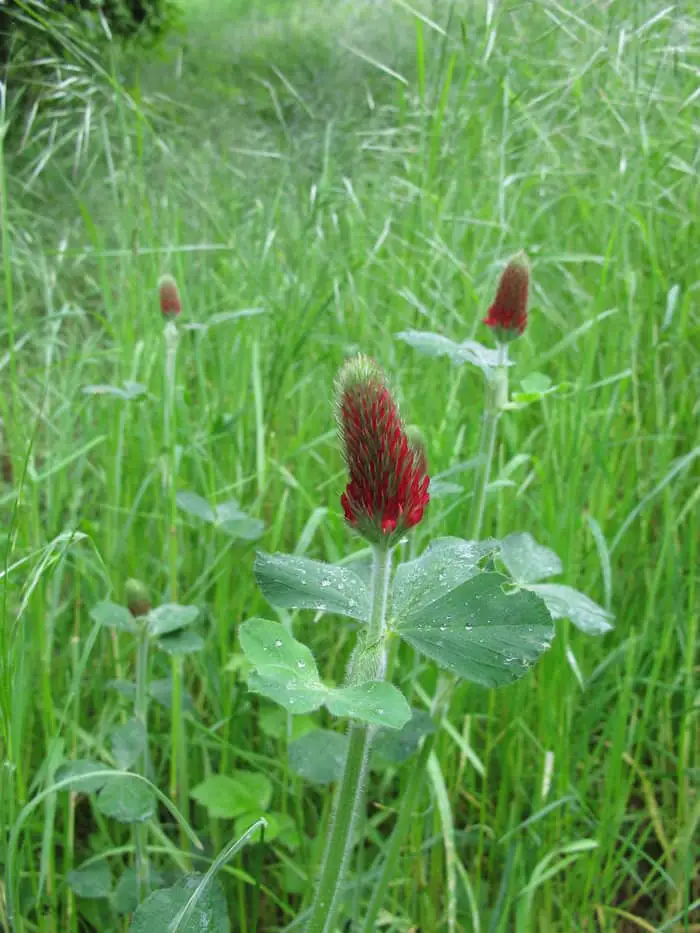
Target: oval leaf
195	505
564	602
269	644
375	702
286	672
181	643
291	582
479	631
318	756
79	771
126	893
128	743
526	560
112	615
245	528
469	351
286	669
396	745
162	692
443	566
227	796
92	880
170	618
161	908
127	799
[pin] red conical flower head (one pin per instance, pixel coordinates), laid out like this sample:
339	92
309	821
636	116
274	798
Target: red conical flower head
508	314
388	488
169	295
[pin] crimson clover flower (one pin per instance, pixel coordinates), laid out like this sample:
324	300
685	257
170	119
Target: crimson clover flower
507	316
169	295
388	488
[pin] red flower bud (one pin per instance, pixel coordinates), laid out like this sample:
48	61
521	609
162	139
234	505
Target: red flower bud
388	488
169	294
508	314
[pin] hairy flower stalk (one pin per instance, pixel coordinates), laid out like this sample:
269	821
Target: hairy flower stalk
141	715
386	495
171	306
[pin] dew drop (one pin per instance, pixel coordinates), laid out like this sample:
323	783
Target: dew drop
468	627
325	582
301	664
278	643
443	628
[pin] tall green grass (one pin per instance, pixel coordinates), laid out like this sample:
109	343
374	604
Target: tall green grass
354	170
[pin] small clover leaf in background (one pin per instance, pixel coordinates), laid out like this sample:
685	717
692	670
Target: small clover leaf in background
170	617
94	880
469	351
181	643
227	516
157	913
161	691
112	615
291	582
526	560
127	799
564	602
318	756
530	562
126	893
397	745
79	770
128	742
286	672
227	796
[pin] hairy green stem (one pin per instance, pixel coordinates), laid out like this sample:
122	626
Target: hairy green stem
350	793
141	714
496	396
178	788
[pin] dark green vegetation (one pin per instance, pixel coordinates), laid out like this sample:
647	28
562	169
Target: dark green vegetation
355	170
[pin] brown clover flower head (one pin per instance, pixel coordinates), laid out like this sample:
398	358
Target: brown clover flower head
169	295
388	488
507	316
137	597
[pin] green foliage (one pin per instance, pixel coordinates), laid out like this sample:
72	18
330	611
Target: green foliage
31	22
94	880
299	583
163	908
318	756
126	799
226	796
286	672
480	630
